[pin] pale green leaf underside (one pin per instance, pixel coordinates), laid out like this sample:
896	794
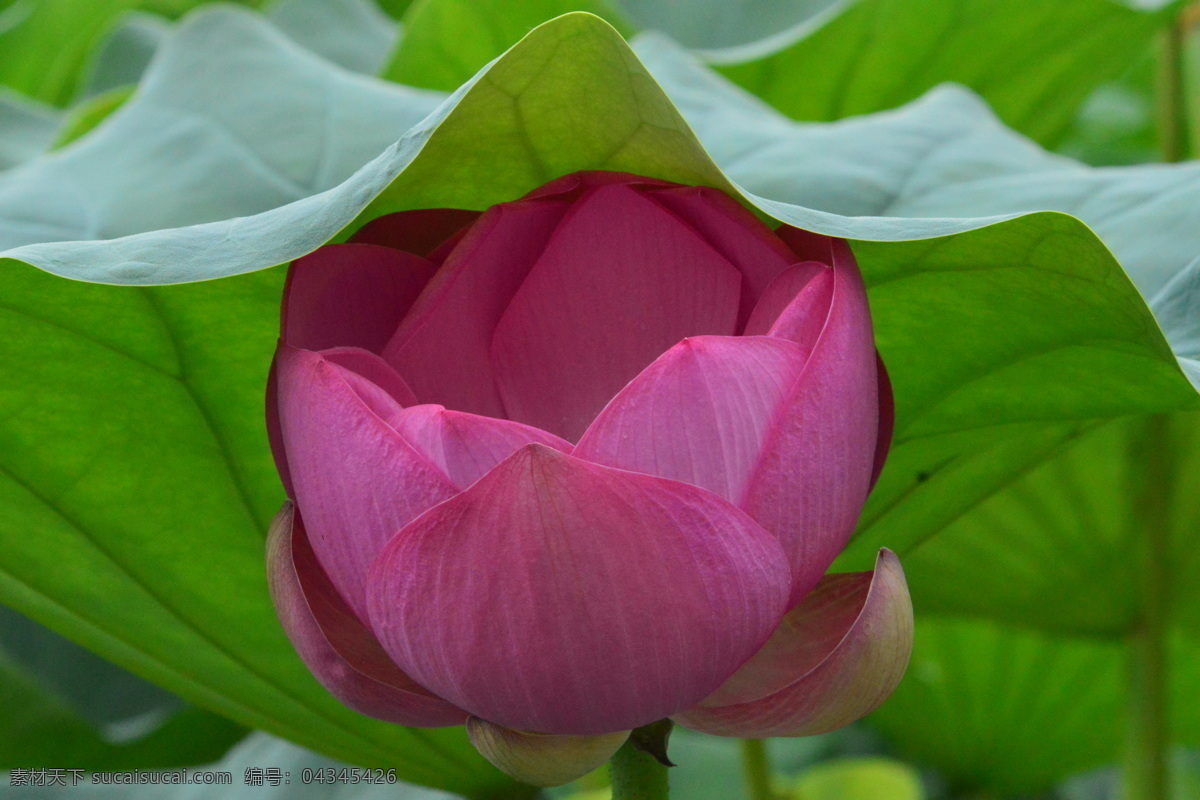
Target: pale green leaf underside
162	385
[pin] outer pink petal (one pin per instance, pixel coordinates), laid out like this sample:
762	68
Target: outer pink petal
383	389
834	659
356	480
562	597
420	232
441	348
816	466
338	649
620	282
887	419
350	294
700	413
733	232
465	446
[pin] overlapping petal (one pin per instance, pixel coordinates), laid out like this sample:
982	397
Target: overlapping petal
815	471
620	282
422	232
834	659
700	413
356	480
465	446
733	232
350	295
559	596
442	346
335	646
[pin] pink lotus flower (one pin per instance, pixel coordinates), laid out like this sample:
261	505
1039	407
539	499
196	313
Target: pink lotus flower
579	463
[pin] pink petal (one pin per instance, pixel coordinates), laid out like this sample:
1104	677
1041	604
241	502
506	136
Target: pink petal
815	470
562	597
733	232
795	305
465	446
357	481
441	348
887	419
371	374
419	232
382	389
806	245
620	283
340	651
700	413
835	658
350	294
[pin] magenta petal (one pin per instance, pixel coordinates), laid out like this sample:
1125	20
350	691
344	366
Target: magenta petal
733	232
834	659
887	419
378	375
441	348
340	651
419	232
806	245
383	390
466	446
795	305
620	282
350	294
357	481
700	413
815	471
563	597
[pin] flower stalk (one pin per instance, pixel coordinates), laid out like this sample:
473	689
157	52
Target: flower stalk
1152	472
756	766
1174	121
637	775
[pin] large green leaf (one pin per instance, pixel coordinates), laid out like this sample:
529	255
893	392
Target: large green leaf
1006	711
173	375
446	42
1035	63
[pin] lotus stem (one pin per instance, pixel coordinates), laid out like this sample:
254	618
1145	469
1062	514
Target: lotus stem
1153	473
637	775
756	765
1173	112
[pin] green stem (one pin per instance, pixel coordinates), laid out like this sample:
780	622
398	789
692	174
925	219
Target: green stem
637	775
756	765
1152	476
1173	115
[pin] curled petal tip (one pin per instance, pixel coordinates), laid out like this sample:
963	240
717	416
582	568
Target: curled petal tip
835	658
542	759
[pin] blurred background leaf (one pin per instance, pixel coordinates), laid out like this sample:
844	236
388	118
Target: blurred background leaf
1026	596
